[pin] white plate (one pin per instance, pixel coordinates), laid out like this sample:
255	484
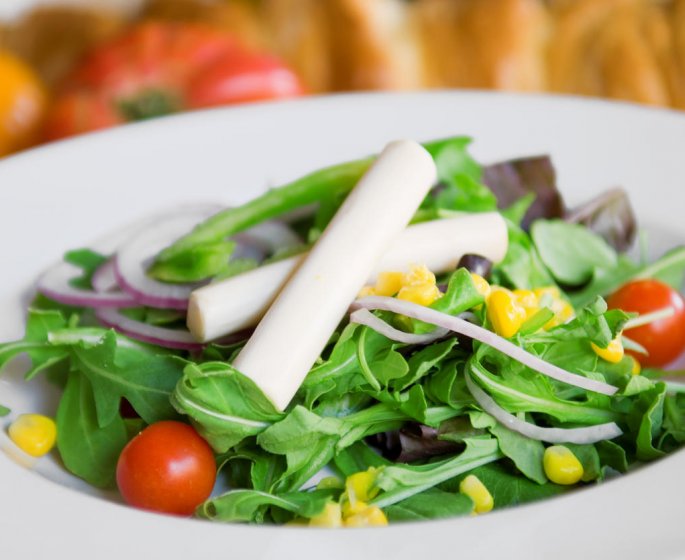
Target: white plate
63	196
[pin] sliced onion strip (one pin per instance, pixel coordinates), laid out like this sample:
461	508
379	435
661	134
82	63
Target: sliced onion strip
365	317
581	436
55	284
132	259
485	336
167	338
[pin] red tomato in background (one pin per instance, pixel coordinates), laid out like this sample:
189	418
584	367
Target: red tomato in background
161	68
663	339
167	468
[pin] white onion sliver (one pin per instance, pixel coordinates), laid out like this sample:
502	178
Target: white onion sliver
104	279
485	336
581	436
168	338
365	317
55	284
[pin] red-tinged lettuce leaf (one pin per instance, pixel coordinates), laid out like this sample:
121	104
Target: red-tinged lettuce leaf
609	215
515	179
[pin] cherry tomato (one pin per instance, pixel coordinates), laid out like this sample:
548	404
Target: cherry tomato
663	339
23	101
167	468
157	68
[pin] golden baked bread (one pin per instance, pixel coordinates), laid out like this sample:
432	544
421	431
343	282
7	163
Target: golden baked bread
620	49
53	39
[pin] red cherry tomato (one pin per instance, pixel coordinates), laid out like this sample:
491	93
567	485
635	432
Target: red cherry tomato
663	339
167	468
157	68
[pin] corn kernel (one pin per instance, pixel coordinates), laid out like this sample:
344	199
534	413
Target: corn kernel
367	291
505	314
361	486
528	300
352	507
423	294
612	353
548	292
371	516
563	312
561	465
476	490
482	285
34	434
417	275
636	368
331	516
389	283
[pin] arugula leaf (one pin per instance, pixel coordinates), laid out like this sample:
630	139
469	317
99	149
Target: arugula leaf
670	268
117	372
522	266
509	489
224	405
43	355
650	407
87	260
571	251
431	504
612	455
249	505
88	450
401	482
526	453
518	389
4	411
357	458
589	458
308	442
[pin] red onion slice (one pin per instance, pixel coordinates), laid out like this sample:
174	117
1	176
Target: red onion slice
365	317
167	338
581	436
133	257
55	284
485	336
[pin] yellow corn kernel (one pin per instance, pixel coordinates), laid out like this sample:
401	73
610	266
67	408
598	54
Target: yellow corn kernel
361	486
418	275
636	368
528	300
551	292
476	490
34	434
505	314
482	285
367	291
561	465
612	353
389	283
331	516
423	294
563	312
352	507
371	516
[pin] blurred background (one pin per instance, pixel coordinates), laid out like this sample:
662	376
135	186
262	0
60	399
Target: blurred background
72	67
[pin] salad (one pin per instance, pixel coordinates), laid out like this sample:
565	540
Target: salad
504	349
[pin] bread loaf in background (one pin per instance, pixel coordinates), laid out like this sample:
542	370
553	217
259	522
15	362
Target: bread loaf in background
619	49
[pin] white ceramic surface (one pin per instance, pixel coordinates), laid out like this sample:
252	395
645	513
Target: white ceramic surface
63	196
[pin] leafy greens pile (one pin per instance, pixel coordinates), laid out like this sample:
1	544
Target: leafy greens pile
404	410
